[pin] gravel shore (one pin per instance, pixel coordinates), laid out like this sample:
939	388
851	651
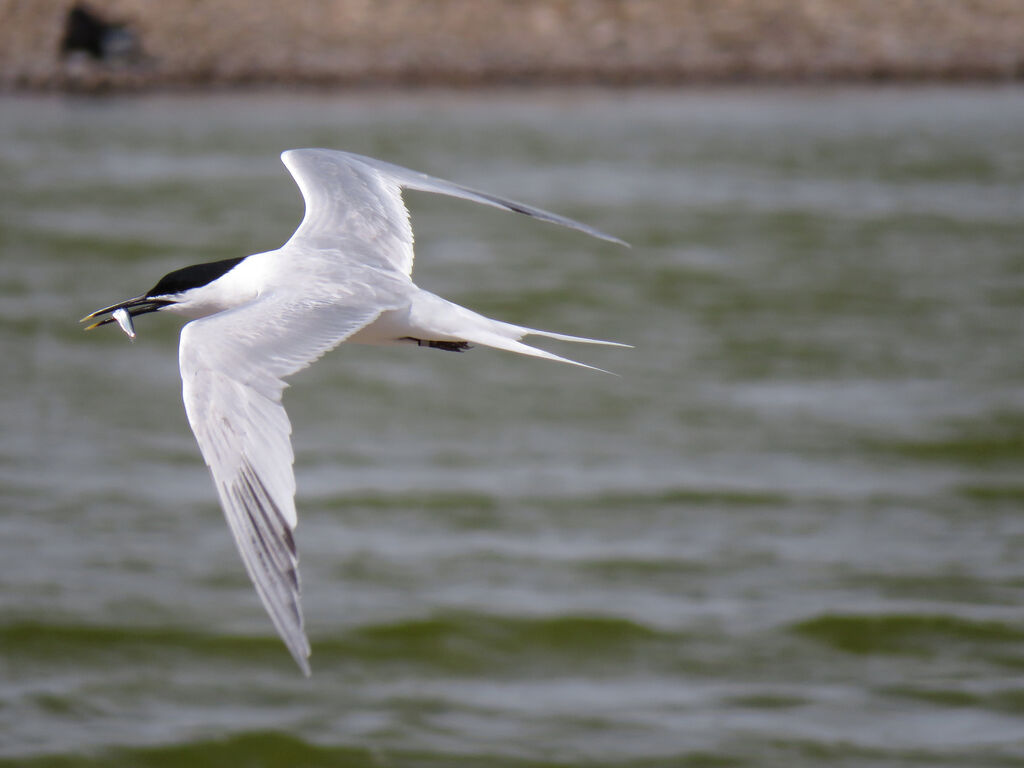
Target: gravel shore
469	42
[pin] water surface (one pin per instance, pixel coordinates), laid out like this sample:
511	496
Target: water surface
790	532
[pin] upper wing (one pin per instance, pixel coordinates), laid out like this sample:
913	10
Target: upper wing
354	203
232	370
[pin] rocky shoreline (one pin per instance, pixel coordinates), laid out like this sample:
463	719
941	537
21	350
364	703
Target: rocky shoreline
201	43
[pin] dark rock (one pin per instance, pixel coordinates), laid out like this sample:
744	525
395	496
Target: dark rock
85	31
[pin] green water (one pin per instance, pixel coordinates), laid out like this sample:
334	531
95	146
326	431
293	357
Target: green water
790	532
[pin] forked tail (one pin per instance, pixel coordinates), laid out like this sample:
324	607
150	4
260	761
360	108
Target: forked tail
437	318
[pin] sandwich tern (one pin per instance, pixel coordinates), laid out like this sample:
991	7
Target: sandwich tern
344	275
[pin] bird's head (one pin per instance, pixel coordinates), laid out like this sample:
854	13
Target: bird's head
178	291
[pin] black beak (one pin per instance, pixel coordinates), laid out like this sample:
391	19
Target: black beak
140	305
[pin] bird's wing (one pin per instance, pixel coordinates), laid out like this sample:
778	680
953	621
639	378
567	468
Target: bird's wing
354	204
232	369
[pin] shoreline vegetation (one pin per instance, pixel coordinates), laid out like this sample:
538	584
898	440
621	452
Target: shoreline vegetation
140	44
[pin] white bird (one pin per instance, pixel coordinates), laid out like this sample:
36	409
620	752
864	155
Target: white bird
343	276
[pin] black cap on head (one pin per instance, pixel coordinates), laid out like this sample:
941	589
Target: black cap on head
196	276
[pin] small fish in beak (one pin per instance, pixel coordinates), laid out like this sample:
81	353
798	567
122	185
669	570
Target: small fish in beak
123	312
125	321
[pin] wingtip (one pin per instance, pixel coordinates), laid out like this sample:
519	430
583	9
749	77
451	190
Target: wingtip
301	657
616	240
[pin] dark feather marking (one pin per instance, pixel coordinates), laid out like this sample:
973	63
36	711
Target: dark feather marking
286	532
263	552
260	501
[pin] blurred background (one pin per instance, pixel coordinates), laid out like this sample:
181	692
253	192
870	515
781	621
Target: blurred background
789	532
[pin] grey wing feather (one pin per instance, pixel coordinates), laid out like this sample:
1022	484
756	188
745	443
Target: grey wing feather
349	194
232	368
420	181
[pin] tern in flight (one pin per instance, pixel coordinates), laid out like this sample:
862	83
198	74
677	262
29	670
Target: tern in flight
343	276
